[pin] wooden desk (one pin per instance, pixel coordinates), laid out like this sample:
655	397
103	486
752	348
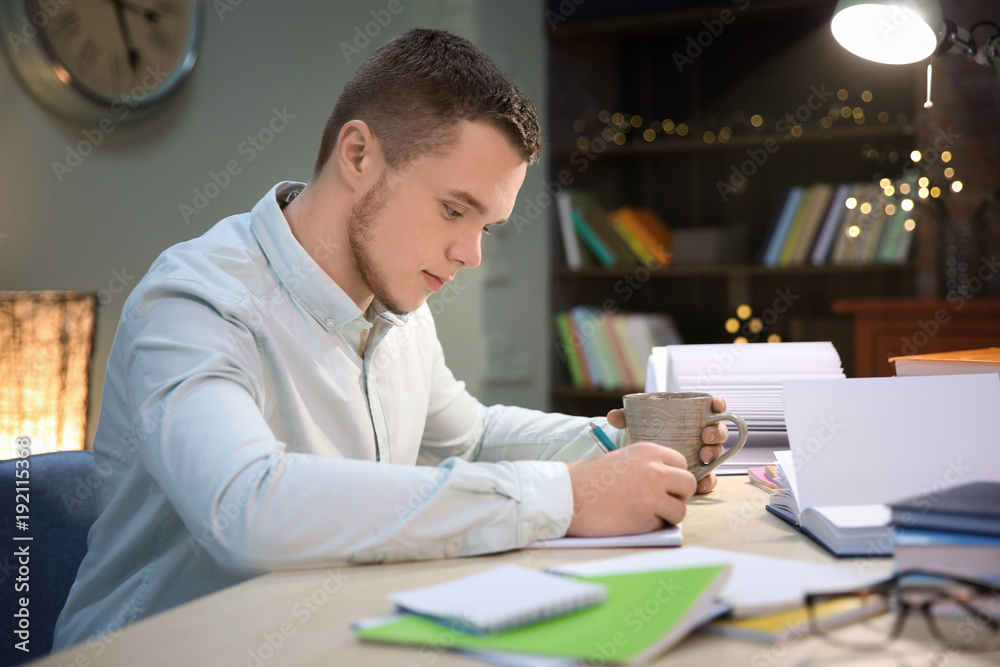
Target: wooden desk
885	328
302	618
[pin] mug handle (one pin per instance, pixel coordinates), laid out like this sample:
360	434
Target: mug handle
706	468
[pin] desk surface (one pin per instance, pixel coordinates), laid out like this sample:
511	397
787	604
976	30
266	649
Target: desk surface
303	618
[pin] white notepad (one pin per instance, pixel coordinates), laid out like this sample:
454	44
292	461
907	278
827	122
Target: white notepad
500	599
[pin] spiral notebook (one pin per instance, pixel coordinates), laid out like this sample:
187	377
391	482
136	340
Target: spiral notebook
500	599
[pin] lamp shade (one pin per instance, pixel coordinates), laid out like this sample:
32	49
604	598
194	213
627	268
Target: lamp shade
46	339
894	32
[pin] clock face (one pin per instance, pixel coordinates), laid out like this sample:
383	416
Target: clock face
86	58
118	49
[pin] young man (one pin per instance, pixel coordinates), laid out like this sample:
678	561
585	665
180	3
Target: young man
273	382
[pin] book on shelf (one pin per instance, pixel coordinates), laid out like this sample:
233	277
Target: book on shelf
588	239
578	375
631	334
644	231
872	236
805	225
571	243
957	362
626	237
782	223
771	228
813	217
845	242
609	351
831	224
637	247
815	225
785	255
589	346
613	330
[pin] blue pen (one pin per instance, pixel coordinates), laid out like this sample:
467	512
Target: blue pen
606	443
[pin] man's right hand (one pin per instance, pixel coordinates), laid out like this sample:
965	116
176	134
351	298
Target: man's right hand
629	491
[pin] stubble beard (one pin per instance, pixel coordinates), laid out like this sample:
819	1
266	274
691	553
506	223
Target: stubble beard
360	242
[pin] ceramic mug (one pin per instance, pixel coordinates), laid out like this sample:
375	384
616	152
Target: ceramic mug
676	420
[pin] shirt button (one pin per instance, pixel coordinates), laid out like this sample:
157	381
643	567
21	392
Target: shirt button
451	548
329	323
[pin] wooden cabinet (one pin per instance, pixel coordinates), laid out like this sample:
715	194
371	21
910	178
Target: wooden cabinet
885	328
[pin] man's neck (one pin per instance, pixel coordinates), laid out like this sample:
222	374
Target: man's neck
318	218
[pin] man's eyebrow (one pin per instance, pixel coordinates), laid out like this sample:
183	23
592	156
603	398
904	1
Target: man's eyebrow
467	198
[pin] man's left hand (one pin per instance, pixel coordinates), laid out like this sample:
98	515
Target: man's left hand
713	436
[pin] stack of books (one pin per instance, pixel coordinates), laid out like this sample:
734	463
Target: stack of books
609	351
849	223
626	237
955	531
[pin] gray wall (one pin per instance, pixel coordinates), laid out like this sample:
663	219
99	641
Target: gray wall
106	221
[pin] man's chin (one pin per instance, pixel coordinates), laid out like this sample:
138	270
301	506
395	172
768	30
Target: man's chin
400	307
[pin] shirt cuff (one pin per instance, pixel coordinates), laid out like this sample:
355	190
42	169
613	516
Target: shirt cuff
546	500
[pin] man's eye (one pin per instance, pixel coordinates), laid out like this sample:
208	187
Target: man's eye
451	213
486	230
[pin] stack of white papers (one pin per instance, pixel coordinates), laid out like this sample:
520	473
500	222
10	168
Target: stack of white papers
749	376
756	585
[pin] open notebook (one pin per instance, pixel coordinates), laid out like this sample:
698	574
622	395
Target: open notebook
845	530
860	444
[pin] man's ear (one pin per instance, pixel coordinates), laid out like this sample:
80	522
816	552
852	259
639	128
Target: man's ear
357	156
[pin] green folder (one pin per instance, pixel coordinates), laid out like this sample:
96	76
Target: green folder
645	614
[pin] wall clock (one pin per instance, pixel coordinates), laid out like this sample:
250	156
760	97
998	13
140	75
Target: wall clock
88	60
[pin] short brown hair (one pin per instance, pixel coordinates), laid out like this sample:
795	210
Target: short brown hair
412	91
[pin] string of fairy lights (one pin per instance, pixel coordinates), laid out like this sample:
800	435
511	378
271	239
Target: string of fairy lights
618	126
890	196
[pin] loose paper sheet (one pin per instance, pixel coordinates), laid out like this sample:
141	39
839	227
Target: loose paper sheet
869	441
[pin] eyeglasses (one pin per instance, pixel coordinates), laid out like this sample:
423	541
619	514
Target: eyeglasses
963	615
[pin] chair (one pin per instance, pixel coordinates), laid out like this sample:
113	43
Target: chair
62	505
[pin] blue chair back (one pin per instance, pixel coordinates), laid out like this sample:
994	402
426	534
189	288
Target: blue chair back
62	505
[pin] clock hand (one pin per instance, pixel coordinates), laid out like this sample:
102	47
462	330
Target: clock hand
150	15
133	55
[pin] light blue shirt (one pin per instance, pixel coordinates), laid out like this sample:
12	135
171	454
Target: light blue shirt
241	433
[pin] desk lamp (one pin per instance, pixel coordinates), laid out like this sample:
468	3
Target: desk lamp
899	32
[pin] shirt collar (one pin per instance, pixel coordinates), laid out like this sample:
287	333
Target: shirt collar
298	272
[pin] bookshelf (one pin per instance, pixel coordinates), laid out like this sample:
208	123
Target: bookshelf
774	60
